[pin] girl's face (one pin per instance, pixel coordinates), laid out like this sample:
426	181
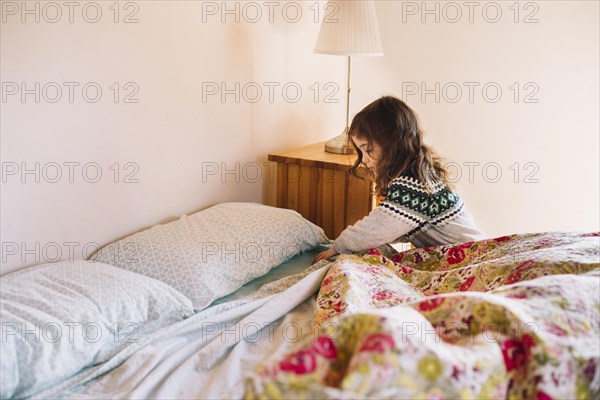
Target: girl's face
371	152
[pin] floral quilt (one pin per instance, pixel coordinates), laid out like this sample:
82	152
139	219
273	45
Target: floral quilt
510	317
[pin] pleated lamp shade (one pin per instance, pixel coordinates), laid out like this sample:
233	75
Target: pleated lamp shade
349	28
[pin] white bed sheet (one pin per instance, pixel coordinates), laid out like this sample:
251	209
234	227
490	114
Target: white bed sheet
206	355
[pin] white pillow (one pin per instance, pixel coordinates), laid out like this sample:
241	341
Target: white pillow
214	252
60	318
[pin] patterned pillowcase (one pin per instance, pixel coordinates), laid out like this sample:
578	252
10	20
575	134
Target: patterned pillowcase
60	318
214	252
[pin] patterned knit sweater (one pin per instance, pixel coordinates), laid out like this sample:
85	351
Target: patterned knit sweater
409	214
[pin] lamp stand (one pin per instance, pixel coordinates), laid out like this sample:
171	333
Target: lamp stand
341	143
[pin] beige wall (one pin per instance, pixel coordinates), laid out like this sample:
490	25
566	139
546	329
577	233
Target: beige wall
176	51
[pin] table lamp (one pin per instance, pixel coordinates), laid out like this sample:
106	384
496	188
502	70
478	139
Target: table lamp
349	28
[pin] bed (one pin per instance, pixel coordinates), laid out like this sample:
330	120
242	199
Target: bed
196	309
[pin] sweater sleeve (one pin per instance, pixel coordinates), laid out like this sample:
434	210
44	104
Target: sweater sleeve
377	228
412	211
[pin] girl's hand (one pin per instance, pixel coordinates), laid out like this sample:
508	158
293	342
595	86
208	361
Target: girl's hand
325	255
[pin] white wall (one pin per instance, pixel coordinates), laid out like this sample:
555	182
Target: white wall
171	135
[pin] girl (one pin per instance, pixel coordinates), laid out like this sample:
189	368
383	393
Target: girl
419	206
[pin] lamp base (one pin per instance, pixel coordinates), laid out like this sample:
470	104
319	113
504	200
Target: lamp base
340	144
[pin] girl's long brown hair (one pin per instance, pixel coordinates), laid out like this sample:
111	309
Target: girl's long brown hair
389	122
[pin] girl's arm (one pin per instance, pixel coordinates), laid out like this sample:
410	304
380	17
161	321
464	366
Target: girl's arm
381	226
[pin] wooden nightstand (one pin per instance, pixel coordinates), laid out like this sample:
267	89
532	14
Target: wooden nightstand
319	186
